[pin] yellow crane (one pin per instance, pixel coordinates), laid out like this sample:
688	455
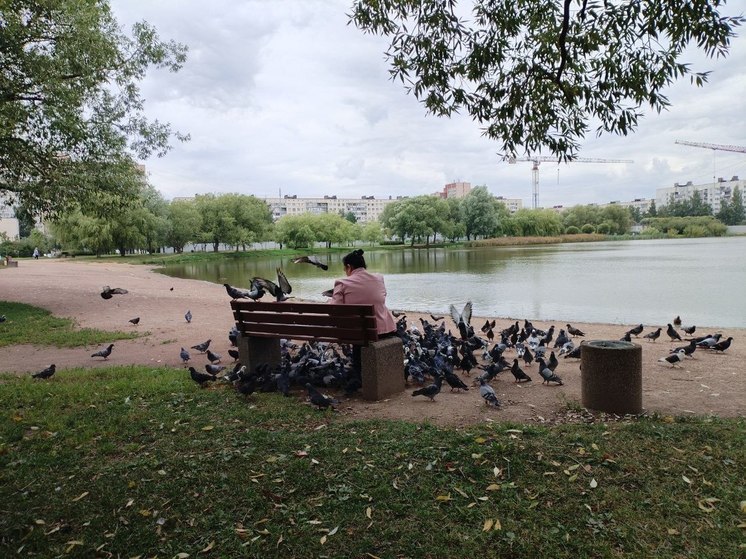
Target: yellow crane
538	159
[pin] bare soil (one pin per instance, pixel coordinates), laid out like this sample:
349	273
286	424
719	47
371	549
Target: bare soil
705	385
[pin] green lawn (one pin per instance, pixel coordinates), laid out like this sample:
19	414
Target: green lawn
26	324
136	461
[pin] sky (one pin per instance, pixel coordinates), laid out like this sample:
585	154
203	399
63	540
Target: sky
283	97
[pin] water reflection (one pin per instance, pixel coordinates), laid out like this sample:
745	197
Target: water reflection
619	282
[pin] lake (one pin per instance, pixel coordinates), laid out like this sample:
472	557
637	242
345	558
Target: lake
619	282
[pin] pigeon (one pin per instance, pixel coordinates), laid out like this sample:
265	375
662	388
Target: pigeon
431	390
672	333
328	292
233	353
654	335
279	290
398	314
454	381
574	331
722	346
575	353
184	355
673	358
677	321
689	330
188	317
708	342
462	320
247	386
636	331
135	320
318	399
436	318
626	338
201	378
107	292
236	293
203	346
257	291
687	349
488	326
45	373
488	393
528	358
310	260
104	352
562	339
213	369
213	357
519	374
547	374
2	319
553	362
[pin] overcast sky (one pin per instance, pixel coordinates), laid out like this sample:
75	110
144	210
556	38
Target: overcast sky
286	97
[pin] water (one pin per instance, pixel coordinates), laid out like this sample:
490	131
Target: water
623	282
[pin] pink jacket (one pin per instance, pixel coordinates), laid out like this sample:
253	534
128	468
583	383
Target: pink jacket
363	288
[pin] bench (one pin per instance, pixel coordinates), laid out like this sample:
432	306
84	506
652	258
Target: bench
261	325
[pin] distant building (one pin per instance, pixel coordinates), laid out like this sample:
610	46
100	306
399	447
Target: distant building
365	209
642	204
8	222
513	204
713	193
454	190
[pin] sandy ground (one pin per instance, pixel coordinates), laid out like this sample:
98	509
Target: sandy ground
708	384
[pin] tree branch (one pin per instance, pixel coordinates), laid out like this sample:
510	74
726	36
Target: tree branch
563	41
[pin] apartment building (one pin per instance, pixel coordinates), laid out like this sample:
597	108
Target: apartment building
365	209
712	193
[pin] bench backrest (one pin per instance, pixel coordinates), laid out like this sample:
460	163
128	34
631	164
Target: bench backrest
351	324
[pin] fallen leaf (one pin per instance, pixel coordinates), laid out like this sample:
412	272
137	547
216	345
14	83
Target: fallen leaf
79	497
208	428
686	480
322	541
593	483
573	477
181	555
488	525
72	544
480	440
369	512
493	487
443	497
497	525
461	492
208	548
673	532
129	503
333	531
708	504
742	506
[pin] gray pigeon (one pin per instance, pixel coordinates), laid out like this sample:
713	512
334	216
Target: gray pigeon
318	399
201	378
654	335
188	316
135	320
488	393
184	355
431	390
104	352
674	358
574	331
310	260
203	346
672	333
214	369
213	357
548	374
236	293
519	374
45	373
107	292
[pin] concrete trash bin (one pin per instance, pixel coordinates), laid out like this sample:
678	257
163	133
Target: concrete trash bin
611	376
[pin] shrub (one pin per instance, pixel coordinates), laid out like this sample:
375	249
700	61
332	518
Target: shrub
588	229
572	230
603	228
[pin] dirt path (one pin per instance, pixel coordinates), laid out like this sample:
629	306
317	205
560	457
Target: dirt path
708	384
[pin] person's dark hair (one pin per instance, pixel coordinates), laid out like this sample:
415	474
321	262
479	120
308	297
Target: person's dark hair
355	259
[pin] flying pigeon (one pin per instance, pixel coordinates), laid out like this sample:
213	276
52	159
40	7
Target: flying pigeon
436	318
104	352
654	335
574	331
673	358
188	316
672	333
328	292
213	357
488	393
135	320
318	399
279	290
201	378
45	373
107	292
462	320
547	374
519	374
431	390
184	355
636	331
310	260
203	346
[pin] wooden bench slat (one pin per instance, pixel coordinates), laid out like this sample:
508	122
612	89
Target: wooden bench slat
304	308
307	319
356	336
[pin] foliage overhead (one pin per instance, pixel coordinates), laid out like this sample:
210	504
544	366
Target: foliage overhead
71	113
538	74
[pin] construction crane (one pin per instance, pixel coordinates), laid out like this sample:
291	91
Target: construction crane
714	148
538	159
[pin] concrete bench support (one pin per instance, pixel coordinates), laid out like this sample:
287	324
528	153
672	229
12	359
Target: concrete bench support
611	376
382	368
253	351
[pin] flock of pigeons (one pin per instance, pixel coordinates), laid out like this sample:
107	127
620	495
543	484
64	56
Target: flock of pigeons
432	352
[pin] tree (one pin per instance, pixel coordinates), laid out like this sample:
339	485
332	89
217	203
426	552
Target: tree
536	74
371	232
184	222
71	113
482	213
732	213
652	210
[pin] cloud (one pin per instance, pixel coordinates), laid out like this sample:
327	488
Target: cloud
287	96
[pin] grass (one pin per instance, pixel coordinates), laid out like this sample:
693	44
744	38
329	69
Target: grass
27	324
129	461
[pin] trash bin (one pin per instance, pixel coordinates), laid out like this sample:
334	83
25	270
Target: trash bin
611	376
